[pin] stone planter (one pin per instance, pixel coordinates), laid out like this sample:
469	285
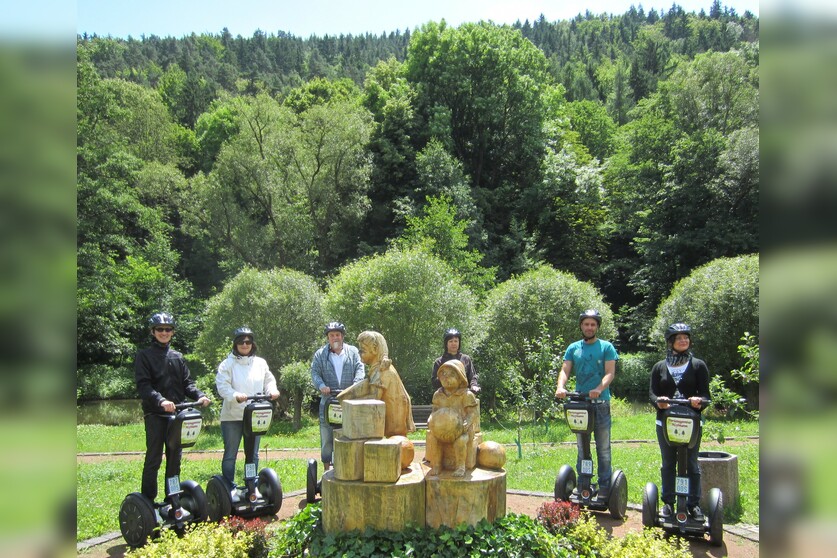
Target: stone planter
719	469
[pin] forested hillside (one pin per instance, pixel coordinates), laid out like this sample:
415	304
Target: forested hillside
621	149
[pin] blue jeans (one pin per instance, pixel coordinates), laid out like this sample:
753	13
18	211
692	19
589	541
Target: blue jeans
232	431
668	471
601	432
326	433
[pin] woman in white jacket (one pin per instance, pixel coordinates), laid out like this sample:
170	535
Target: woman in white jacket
240	375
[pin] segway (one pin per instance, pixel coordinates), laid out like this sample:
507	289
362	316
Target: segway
334	417
262	492
185	502
681	429
581	418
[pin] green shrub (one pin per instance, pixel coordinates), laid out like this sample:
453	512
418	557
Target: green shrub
511	535
585	538
410	297
103	381
204	539
255	528
283	307
649	543
720	301
633	375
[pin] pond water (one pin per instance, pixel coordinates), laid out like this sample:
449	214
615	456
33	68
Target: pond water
110	412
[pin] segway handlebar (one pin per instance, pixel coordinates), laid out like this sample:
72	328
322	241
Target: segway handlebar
258	397
186	405
575	396
688	403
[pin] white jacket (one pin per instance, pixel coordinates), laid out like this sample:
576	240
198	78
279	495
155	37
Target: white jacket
246	375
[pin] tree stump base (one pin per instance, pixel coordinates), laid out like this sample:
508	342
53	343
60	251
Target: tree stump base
356	505
452	501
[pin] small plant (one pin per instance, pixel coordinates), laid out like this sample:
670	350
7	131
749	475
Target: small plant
204	539
557	516
255	528
647	544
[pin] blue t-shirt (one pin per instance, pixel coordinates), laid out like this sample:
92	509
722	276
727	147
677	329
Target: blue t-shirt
588	364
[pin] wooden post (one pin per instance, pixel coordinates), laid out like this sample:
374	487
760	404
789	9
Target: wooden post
363	418
381	460
348	459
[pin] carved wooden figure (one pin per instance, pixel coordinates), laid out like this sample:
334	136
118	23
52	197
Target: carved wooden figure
450	428
382	382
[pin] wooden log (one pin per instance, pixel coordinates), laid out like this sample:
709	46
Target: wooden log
382	460
354	505
348	459
452	501
363	418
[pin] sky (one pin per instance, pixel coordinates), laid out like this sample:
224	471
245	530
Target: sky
176	18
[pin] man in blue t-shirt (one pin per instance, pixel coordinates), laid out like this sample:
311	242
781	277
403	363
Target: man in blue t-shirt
594	362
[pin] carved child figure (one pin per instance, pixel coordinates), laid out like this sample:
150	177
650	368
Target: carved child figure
451	424
382	382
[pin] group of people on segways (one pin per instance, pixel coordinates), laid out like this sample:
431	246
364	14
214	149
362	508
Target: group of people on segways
679	390
164	383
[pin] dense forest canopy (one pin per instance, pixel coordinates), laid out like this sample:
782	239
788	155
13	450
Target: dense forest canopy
622	149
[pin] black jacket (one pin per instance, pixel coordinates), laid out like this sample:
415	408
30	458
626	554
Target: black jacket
161	373
695	382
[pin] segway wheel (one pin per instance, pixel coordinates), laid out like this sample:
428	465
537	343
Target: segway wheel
218	498
716	517
617	502
271	490
650	502
311	482
194	500
136	519
564	483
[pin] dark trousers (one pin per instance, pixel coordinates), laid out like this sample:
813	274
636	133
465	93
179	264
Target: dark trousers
668	471
156	428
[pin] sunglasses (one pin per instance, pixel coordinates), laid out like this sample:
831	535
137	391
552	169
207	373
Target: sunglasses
245	342
164	329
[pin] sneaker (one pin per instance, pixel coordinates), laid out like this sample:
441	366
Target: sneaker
666	511
695	512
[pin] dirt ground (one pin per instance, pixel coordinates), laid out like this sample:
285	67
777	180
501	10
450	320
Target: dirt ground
734	546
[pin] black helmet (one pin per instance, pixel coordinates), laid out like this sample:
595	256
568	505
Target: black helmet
161	318
591	313
679	327
452	332
335	326
242	331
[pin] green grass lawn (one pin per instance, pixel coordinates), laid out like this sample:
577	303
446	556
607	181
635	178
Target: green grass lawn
102	486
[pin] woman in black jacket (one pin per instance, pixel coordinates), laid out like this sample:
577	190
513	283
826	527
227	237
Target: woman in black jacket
679	376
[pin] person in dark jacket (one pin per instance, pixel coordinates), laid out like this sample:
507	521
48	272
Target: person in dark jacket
679	376
163	380
452	342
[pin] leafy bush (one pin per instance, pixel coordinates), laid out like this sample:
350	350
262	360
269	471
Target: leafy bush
255	528
103	381
410	297
649	543
633	375
283	307
295	380
512	535
585	538
203	539
558	516
519	310
720	301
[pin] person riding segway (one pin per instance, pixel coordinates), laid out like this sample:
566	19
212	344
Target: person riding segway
164	382
680	391
247	386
